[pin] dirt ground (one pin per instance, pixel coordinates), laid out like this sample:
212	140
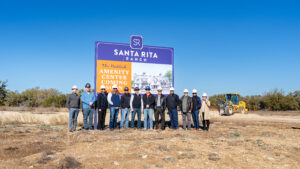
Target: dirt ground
254	140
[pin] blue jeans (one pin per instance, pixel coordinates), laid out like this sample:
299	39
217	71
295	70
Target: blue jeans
138	112
124	118
88	113
173	113
195	115
73	114
148	114
113	121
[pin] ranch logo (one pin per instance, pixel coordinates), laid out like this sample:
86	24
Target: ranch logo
136	42
135	53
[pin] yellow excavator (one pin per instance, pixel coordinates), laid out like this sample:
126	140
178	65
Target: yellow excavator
232	104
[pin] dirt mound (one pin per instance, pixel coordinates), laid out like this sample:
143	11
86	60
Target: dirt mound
69	163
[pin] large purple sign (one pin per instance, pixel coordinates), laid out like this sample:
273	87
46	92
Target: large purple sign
133	65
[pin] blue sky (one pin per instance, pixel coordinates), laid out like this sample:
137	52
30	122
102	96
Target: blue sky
249	47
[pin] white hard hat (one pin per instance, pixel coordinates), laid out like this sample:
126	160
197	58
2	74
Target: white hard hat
159	88
74	87
204	94
114	86
194	91
172	88
186	91
102	87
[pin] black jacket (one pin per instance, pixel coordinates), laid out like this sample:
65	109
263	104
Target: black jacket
73	101
125	101
102	101
136	101
172	101
163	102
148	100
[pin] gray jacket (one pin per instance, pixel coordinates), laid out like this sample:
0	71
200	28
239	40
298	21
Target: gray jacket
73	101
163	102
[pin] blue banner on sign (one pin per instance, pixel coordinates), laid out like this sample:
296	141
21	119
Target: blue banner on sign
123	52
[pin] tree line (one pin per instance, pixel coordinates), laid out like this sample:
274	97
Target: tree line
274	100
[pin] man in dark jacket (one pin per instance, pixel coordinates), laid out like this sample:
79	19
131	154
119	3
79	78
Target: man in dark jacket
125	106
195	111
148	102
160	107
102	105
186	109
135	107
73	104
172	103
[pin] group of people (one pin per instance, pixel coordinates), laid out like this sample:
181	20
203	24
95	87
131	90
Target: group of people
137	104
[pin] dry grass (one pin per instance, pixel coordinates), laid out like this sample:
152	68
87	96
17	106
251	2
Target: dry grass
35	110
239	141
60	118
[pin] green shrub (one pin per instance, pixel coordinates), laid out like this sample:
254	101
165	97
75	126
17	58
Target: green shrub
214	99
276	100
3	92
253	102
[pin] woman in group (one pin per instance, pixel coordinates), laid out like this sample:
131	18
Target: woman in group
204	112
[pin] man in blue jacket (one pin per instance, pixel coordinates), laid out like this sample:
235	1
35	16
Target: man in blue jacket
195	110
88	98
114	102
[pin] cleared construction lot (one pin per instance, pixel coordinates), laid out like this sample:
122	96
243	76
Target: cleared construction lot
254	140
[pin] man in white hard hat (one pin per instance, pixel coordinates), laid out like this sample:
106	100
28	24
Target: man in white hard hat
159	109
172	103
73	104
102	105
195	110
186	109
135	106
204	112
114	102
88	99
